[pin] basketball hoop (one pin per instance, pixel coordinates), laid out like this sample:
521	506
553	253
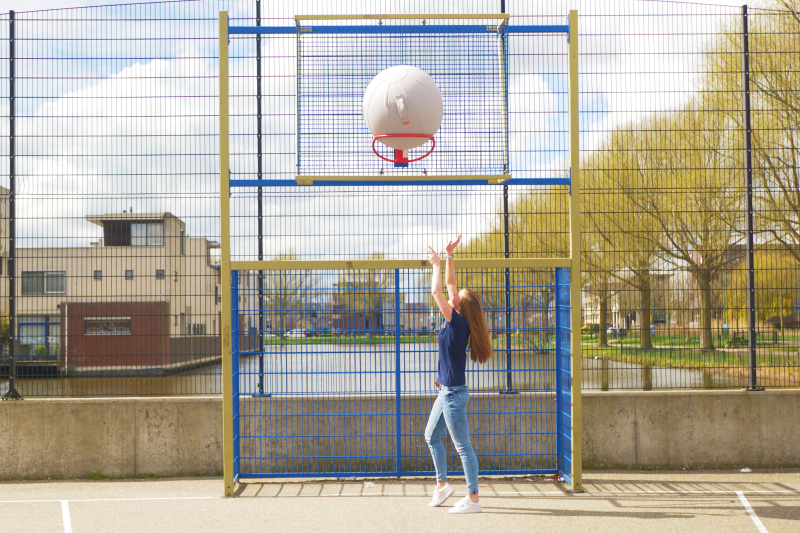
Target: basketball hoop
400	157
398	100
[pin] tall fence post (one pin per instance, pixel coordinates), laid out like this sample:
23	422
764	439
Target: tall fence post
260	175
506	247
225	257
12	393
748	159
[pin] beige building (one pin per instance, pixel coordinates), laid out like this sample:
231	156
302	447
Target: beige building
141	259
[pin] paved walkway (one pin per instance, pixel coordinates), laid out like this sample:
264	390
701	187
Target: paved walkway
614	502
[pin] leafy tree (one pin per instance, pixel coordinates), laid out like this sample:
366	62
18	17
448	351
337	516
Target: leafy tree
775	103
601	260
776	281
5	329
628	167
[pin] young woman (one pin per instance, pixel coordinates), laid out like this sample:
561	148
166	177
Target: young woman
465	327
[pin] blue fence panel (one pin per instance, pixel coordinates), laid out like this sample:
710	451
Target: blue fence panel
325	403
564	374
235	376
345	379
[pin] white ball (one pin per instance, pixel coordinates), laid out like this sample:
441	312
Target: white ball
402	99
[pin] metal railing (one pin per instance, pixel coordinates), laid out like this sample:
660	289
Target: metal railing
112	124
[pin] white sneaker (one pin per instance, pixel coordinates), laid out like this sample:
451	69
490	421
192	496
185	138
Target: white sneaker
440	495
466	505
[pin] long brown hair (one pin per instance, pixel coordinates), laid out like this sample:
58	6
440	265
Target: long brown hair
479	341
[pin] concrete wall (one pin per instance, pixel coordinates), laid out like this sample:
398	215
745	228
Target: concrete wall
70	438
691	429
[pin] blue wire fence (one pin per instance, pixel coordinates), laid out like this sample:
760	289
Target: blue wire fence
344	382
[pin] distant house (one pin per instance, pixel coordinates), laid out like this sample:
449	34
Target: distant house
144	297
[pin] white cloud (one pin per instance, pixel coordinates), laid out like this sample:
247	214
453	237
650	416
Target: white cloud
140	130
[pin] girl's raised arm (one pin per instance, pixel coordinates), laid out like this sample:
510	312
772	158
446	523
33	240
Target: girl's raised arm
436	285
450	274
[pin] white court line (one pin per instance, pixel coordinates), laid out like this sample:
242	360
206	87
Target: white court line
65	516
117	499
786	491
753	515
540	493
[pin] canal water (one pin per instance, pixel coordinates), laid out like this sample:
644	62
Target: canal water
369	368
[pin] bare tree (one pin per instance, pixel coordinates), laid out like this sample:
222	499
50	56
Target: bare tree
287	294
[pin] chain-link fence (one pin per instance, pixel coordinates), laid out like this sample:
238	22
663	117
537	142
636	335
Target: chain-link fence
109	222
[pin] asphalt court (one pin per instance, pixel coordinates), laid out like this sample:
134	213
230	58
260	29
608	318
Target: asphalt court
613	501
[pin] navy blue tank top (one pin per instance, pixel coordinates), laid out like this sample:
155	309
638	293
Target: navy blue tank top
453	338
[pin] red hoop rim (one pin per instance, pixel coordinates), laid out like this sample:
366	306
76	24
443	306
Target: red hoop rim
389	135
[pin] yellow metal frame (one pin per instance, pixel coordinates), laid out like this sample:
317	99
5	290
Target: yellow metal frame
573	262
404	264
225	257
575	254
454	16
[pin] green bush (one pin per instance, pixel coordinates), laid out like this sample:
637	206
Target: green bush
41	350
24	350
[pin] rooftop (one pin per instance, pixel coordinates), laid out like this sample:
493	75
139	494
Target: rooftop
99	219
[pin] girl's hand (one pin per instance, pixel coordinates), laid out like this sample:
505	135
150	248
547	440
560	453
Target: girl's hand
433	257
452	245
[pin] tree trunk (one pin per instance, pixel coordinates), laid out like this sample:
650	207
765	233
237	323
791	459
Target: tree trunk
644	309
703	279
602	334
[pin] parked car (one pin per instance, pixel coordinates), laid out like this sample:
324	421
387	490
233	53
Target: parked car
298	333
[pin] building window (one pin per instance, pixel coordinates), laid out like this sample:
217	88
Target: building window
183	241
129	274
147	234
197	329
44	282
159	273
98	274
39	336
108	326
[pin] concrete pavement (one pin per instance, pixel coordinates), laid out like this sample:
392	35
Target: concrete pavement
613	501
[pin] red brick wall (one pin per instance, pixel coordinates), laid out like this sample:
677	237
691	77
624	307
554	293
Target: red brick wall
147	345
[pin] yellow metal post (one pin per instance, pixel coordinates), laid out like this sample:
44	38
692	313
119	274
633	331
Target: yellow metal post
575	254
225	257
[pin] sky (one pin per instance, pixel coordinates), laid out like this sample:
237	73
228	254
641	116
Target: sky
120	105
33	5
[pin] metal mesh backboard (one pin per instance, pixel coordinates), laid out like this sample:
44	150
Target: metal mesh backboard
334	69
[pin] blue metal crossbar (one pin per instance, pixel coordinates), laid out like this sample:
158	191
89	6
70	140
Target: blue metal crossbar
345	381
407	29
395	183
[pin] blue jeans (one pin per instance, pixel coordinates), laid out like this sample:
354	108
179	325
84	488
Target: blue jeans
450	409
